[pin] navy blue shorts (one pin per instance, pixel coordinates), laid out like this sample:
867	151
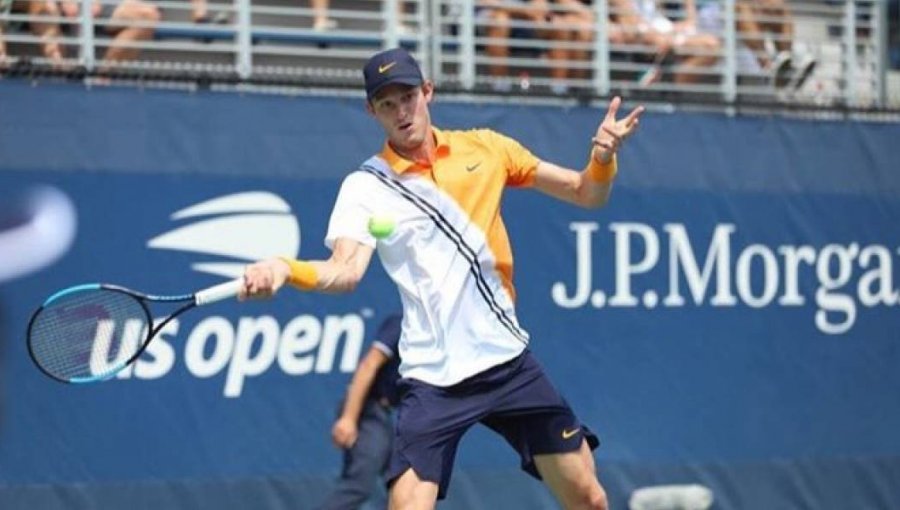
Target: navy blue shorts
515	399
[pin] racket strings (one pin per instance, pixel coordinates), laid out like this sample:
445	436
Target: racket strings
89	334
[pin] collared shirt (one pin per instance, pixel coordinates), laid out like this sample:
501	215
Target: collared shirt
449	253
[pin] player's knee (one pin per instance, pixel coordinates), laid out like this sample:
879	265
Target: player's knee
597	500
588	496
408	492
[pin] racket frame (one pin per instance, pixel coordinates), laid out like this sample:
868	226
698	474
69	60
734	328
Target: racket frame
209	295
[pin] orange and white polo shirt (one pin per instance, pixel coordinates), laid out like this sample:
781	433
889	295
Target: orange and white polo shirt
449	253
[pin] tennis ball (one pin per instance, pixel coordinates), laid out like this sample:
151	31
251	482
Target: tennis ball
381	226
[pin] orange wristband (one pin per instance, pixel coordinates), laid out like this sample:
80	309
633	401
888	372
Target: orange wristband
602	173
303	274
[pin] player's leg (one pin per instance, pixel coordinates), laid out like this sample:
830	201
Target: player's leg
554	445
409	492
572	477
430	423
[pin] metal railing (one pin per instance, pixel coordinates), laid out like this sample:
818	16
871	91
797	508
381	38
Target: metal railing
814	52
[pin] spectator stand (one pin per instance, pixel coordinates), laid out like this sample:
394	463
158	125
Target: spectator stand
273	43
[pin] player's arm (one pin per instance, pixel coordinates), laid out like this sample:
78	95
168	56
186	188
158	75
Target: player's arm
340	273
346	429
591	186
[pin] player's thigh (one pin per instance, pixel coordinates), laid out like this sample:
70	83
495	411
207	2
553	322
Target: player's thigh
409	492
572	477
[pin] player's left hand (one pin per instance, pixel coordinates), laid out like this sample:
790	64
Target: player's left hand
612	133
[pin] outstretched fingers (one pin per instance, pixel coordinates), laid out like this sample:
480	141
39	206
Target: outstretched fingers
632	118
613	108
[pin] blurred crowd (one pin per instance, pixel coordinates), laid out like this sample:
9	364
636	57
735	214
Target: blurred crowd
678	41
51	21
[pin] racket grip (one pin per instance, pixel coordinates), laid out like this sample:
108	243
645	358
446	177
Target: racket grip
219	292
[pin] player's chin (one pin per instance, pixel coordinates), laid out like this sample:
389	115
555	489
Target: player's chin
407	139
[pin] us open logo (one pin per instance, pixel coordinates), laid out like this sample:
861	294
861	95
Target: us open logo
246	226
229	232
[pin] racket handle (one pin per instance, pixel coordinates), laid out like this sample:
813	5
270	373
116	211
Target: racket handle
219	292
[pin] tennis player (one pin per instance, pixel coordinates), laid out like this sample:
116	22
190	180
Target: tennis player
464	356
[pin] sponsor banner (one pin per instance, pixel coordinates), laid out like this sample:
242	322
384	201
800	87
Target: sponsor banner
751	325
223	389
669	312
736	304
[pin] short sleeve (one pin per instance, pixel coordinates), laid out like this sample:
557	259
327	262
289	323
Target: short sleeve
351	213
521	164
387	340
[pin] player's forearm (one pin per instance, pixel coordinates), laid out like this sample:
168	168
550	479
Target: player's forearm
329	276
336	276
595	184
593	194
340	273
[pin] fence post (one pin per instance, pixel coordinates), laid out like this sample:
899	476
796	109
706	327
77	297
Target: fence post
601	49
850	63
244	57
729	80
880	22
467	45
391	33
86	36
435	39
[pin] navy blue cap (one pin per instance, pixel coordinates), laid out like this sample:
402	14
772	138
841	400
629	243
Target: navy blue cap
391	66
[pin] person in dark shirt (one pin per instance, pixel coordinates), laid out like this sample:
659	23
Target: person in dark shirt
364	427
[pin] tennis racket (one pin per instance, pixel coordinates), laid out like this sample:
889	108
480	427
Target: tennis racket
89	333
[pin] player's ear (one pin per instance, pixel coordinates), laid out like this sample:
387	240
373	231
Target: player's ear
369	107
428	90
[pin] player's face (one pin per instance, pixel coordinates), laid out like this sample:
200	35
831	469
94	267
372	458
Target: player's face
403	112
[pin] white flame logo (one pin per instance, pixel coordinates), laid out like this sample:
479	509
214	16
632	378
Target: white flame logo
247	226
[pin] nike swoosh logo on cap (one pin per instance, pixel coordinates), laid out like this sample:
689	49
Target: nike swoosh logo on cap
566	434
386	67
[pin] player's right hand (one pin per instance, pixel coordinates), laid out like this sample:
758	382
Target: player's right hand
344	433
264	278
